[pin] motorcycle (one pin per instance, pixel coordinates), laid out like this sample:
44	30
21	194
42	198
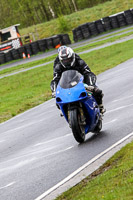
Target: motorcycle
78	105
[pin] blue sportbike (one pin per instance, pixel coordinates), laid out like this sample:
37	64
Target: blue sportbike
78	105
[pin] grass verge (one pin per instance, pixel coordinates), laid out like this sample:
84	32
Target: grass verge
112	181
27	65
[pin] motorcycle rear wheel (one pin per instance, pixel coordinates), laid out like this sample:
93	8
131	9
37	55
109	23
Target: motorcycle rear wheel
77	128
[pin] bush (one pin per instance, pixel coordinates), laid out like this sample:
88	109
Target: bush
62	24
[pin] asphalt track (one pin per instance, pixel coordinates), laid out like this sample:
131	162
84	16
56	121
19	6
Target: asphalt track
38	150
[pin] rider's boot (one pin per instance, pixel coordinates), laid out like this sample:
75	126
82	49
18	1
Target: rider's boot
102	109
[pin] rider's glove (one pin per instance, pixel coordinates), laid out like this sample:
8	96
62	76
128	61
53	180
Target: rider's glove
89	87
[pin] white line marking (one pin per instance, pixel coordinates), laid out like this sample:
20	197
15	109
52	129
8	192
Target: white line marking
10	184
2	141
18	165
41	143
82	168
58	152
123	98
30	153
24	126
114	120
119	108
35	158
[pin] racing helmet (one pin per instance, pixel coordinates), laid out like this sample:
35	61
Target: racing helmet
67	57
61	48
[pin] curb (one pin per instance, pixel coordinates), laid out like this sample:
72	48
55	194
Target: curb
85	170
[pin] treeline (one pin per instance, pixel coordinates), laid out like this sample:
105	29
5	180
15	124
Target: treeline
31	12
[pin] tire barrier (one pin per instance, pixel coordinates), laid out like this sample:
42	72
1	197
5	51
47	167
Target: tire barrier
65	39
93	28
8	56
99	26
28	49
15	54
107	23
21	50
121	20
129	16
75	37
114	22
85	31
2	58
35	47
56	40
79	34
42	45
49	43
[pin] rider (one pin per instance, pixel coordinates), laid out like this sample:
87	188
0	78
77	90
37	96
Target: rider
56	61
67	60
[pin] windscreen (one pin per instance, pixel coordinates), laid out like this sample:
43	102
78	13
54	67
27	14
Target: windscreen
69	79
5	36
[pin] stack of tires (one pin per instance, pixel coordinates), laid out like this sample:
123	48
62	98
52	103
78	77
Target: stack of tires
42	45
114	22
65	39
15	54
129	16
21	50
34	47
28	49
131	11
8	56
75	37
49	43
92	28
121	20
56	39
107	23
99	26
85	31
79	34
53	42
2	58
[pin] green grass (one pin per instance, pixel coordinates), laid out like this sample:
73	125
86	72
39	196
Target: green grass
23	91
78	18
77	50
98	43
27	65
28	89
112	181
106	58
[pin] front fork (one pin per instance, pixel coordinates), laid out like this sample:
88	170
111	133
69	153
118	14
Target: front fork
81	117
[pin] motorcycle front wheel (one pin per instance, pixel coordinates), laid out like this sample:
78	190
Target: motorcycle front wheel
77	127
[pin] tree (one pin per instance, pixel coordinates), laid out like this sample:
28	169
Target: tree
74	4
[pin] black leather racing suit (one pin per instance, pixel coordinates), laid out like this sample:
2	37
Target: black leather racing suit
82	67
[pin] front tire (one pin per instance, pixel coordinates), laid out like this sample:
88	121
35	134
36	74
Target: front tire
77	128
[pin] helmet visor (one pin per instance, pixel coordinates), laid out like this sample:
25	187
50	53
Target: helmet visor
67	61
